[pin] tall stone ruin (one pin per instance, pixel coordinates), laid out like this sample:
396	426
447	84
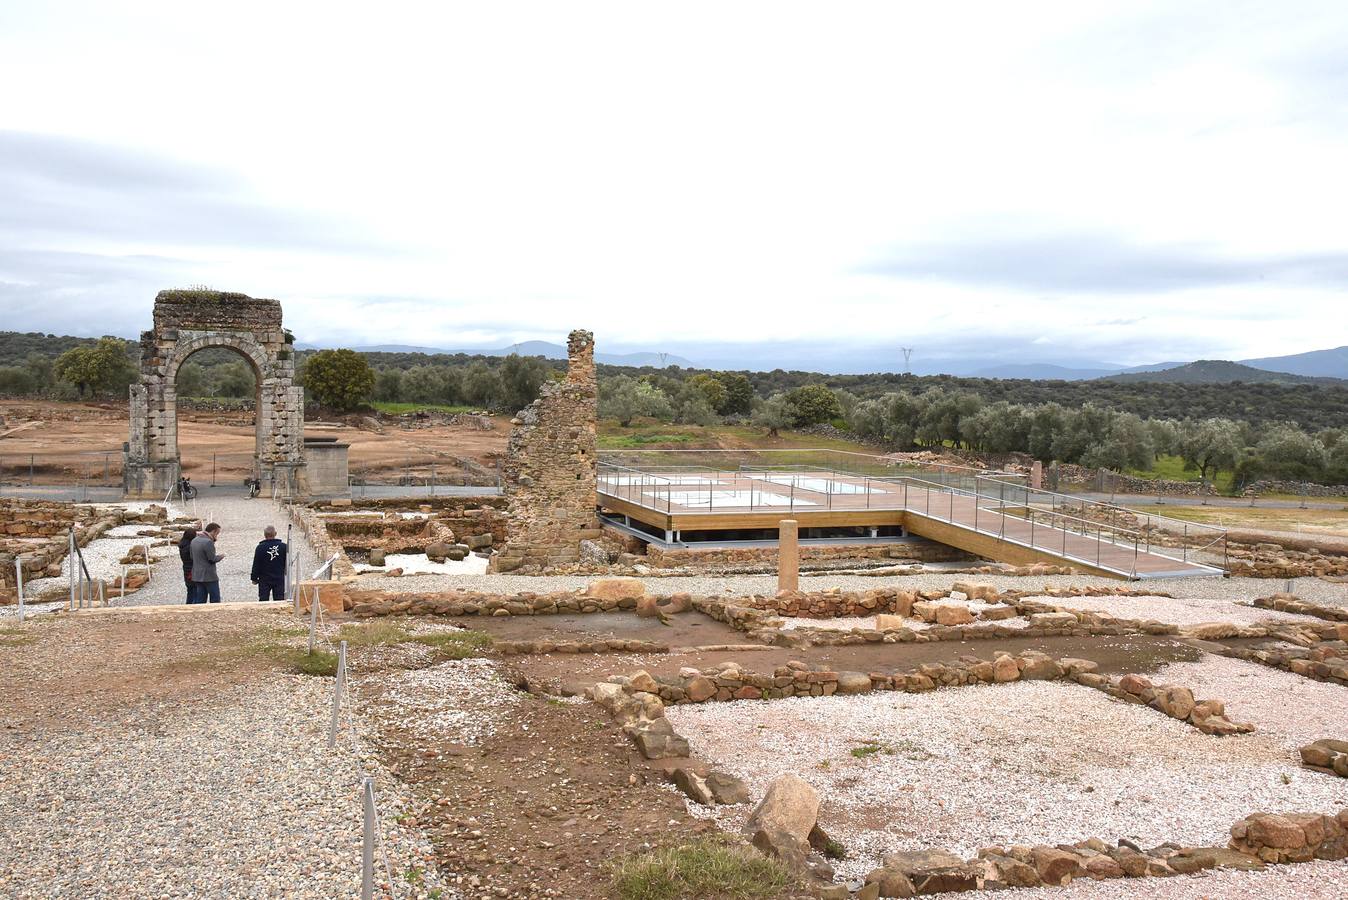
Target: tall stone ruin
549	472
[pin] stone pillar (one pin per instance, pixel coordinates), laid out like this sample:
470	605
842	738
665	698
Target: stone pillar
548	475
1037	475
788	555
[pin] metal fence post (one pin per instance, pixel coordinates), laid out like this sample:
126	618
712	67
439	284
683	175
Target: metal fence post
313	620
337	694
367	851
18	583
71	559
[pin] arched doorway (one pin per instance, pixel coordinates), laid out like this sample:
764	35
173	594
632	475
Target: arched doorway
188	321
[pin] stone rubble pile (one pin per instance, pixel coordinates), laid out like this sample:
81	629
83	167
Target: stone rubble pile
1327	755
1256	840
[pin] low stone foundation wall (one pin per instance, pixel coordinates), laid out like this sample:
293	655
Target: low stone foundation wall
1290	603
37	531
1303	488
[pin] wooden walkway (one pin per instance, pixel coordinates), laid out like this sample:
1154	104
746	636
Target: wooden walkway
985	525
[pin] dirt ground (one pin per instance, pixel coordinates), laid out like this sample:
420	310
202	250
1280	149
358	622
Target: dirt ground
534	809
73	441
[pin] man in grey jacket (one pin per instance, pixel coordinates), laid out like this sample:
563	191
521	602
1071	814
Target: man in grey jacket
204	558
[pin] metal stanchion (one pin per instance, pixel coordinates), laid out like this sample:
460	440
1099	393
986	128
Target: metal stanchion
18	583
122	595
313	620
70	558
367	851
337	694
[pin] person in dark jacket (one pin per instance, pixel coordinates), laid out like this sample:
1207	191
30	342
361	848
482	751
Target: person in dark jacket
204	559
269	567
185	552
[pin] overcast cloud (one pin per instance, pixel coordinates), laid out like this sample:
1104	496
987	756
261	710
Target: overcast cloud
768	183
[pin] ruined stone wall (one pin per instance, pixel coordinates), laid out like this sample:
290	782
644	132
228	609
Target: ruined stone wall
548	475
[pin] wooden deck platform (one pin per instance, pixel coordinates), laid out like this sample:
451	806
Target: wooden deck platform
986	525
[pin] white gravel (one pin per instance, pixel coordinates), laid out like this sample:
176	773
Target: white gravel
1287	707
236	796
419	564
456	702
1030	762
1176	611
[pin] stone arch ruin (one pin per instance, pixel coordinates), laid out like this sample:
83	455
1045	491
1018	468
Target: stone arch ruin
188	321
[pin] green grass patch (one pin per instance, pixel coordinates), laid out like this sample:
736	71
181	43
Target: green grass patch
320	662
701	869
448	644
397	409
628	441
14	636
866	750
455	644
1171	468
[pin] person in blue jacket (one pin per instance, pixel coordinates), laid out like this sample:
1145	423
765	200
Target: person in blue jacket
269	567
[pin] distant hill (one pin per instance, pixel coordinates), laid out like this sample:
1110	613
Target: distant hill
1318	363
1044	372
1220	371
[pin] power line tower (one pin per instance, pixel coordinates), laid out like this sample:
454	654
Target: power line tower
663	357
907	357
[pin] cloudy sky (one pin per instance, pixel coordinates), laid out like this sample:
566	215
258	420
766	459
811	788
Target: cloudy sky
770	183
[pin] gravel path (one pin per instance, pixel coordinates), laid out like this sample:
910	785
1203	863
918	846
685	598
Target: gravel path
1030	762
213	785
241	521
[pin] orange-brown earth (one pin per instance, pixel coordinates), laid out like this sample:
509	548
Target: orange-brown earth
70	441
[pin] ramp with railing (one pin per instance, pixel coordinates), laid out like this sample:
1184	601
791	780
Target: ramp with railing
996	515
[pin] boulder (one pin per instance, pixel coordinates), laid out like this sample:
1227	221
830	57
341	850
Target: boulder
726	789
853	683
479	541
886	622
693	785
952	614
1211	631
616	589
1004	669
1055	866
998	613
1040	668
456	554
1176	702
699	689
790	806
976	590
1053	620
377	557
1134	684
438	551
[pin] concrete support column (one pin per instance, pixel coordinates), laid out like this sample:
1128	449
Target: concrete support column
788	555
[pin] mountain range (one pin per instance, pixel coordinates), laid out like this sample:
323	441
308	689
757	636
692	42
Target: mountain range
545	349
1314	367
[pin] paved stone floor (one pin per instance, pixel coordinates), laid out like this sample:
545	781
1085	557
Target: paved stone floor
241	521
